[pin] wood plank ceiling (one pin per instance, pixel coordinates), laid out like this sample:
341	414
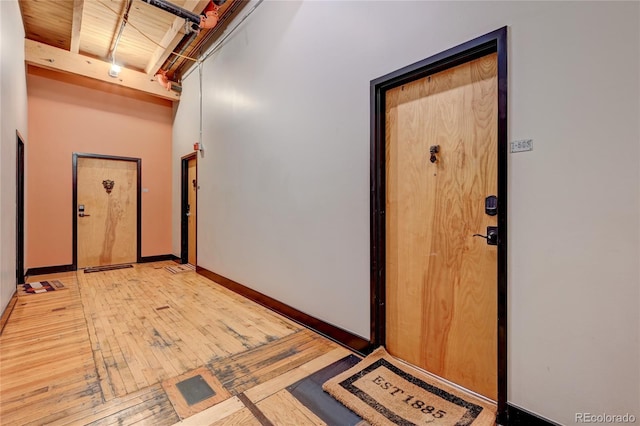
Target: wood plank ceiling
78	36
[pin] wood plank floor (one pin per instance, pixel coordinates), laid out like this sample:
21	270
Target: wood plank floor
102	350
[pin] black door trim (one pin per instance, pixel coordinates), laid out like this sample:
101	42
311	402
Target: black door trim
493	42
184	201
19	209
138	162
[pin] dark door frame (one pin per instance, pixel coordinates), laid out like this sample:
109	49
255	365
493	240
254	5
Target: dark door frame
19	209
138	161
184	201
493	42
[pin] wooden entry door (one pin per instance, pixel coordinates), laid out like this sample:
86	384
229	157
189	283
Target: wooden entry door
106	211
192	208
441	281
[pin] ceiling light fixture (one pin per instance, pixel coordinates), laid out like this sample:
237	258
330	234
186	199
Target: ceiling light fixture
114	71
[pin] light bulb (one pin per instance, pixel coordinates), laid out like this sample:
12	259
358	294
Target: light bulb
114	71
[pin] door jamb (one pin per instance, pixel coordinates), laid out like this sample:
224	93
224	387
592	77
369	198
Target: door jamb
184	201
138	161
19	209
493	42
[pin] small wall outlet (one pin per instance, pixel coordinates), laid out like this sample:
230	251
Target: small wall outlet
522	145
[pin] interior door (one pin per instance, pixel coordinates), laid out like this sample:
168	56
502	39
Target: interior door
107	211
441	281
192	208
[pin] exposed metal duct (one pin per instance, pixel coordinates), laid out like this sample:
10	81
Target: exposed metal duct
180	12
208	19
176	10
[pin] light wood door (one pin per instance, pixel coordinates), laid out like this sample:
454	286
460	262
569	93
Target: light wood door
441	282
192	209
107	229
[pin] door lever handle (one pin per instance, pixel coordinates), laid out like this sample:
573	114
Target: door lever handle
491	237
83	215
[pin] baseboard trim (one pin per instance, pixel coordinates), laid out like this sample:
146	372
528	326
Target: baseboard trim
519	416
334	333
7	311
43	270
158	258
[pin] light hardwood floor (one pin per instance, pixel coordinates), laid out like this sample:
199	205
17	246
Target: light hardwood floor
109	348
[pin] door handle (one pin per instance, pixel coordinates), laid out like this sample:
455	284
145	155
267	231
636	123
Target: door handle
83	215
491	237
188	214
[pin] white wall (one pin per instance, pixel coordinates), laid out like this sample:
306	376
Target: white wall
13	116
186	131
284	200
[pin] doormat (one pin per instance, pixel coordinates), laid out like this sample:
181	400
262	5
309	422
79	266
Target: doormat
384	392
106	268
180	268
42	286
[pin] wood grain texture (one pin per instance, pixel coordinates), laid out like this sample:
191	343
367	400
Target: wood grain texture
282	408
242	417
48	22
441	301
270	387
216	415
338	334
108	236
137	345
172	37
192	199
46	363
53	58
253	367
150	405
97	352
101	23
76	26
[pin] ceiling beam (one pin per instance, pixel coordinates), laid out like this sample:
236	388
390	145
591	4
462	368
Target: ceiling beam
76	25
45	56
172	37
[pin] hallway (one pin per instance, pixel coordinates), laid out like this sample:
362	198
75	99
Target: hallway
111	346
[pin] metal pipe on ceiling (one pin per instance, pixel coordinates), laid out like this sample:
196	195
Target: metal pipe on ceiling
125	17
180	49
207	20
181	12
198	49
175	10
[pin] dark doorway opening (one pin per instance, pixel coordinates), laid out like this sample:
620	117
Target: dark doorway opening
19	209
187	211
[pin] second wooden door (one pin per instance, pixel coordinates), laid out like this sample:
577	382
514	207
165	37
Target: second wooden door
106	211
